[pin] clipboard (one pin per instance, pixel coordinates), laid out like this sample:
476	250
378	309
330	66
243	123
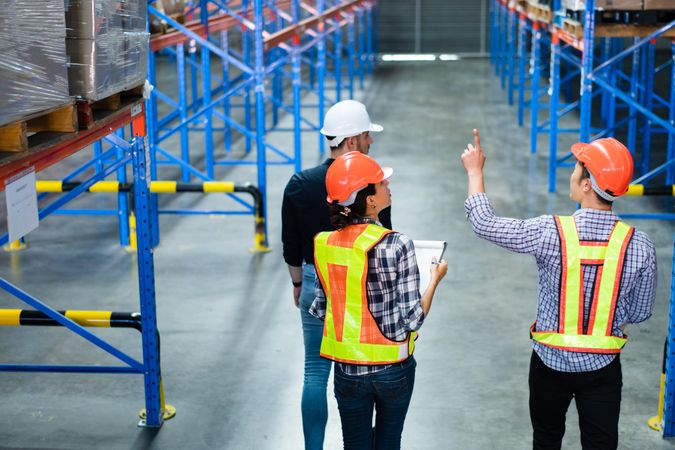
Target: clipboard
424	253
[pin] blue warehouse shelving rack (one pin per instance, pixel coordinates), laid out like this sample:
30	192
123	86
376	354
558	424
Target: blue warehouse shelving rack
233	61
47	150
616	68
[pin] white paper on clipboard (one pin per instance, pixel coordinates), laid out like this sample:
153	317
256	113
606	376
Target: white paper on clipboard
425	251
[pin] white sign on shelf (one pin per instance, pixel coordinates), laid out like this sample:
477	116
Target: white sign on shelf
22	209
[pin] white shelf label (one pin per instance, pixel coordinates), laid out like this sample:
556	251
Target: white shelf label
136	110
22	209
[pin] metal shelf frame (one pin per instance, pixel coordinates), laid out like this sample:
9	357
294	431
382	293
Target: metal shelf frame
135	153
257	48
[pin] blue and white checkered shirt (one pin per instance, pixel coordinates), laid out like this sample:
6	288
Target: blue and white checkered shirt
539	237
392	289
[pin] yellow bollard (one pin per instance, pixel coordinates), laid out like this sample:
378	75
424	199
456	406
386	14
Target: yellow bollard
259	239
15	246
133	244
168	411
656	421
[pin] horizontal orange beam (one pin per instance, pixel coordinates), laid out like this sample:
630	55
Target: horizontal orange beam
287	33
222	22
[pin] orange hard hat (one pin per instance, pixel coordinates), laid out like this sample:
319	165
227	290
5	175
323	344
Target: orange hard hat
350	173
609	163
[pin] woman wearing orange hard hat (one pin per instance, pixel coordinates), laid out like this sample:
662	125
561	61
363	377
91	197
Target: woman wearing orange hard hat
596	274
367	293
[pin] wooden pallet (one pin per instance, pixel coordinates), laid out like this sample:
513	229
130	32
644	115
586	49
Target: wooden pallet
576	29
14	136
539	12
86	109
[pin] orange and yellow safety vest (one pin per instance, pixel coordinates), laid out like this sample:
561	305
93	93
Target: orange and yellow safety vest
609	257
350	333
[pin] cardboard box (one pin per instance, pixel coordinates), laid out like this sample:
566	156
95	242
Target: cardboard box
659	4
619	5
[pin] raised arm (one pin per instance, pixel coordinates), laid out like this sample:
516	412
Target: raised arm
473	160
522	236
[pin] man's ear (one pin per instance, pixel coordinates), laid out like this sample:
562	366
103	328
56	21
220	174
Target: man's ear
587	185
351	143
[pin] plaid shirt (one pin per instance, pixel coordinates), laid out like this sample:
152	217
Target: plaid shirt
392	289
539	237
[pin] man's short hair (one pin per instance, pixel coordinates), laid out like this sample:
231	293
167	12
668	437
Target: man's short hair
586	174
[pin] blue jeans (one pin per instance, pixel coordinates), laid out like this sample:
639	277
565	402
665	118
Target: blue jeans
317	369
389	392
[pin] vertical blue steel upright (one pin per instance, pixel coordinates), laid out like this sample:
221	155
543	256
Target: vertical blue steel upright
321	73
669	394
146	284
296	64
512	37
586	72
522	57
670	174
534	85
648	99
259	74
553	112
206	95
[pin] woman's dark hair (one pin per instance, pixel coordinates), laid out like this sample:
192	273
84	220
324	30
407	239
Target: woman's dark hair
586	174
338	218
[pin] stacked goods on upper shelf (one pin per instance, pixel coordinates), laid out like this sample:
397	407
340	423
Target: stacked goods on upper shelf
32	58
627	12
107	46
605	5
171	8
660	5
540	10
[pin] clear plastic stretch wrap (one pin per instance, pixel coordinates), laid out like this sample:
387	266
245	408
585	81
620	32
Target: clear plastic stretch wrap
107	46
32	58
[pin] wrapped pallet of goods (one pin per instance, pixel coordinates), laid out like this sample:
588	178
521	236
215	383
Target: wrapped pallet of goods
604	5
32	58
107	46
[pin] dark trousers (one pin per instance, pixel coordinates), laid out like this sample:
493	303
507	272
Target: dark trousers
598	398
388	392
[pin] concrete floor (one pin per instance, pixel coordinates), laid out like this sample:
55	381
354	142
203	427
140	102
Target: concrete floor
232	352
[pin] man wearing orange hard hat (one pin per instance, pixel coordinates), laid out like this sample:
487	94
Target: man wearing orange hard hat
596	274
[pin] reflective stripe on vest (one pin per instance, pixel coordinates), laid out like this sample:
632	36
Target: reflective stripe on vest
350	334
609	256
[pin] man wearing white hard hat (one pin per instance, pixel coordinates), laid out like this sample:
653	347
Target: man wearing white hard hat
347	124
304	213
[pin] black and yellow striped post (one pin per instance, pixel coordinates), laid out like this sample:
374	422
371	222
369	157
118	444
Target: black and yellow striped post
106	319
635	190
656	421
173	187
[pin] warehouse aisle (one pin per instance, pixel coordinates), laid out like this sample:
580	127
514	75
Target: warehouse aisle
232	350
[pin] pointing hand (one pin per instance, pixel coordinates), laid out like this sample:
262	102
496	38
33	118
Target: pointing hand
473	157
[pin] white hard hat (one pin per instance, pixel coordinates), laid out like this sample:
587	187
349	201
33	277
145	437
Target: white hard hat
346	119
